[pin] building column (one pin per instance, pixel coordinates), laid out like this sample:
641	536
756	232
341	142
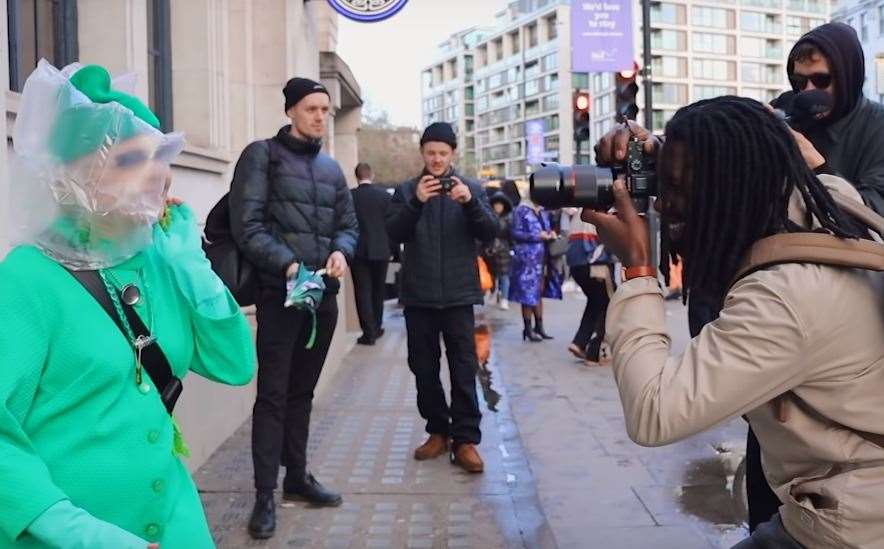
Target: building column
6	151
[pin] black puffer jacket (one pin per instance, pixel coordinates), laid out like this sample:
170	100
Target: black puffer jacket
289	202
440	264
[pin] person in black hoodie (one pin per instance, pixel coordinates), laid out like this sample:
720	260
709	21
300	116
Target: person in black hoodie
439	216
290	207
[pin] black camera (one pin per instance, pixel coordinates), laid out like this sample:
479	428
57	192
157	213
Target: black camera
447	183
803	110
556	186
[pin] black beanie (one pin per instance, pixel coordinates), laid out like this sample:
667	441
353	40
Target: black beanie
440	131
299	88
840	45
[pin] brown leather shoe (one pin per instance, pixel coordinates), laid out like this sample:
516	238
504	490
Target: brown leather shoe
434	447
468	458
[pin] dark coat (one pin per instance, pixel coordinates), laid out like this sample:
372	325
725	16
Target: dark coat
440	262
371	204
289	203
499	253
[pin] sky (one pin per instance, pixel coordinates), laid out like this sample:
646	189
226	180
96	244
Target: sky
387	57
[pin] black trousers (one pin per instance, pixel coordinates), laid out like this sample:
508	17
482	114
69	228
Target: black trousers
762	501
591	332
455	325
287	375
369	279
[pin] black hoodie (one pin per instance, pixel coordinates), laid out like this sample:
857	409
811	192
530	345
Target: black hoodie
852	140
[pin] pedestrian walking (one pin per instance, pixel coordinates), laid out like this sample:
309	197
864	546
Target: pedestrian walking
531	276
499	254
797	347
291	209
439	216
592	269
106	306
372	254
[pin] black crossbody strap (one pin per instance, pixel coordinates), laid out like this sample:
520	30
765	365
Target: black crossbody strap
152	357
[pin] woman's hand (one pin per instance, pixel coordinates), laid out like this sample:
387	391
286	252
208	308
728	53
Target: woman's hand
625	232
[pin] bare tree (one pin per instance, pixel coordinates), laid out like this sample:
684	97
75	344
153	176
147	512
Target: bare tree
392	151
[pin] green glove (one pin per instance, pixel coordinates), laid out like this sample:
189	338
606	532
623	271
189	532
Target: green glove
180	245
67	527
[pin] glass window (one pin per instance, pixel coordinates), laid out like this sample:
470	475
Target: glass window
552	30
881	20
515	43
760	73
668	40
551	62
532	87
714	69
708	92
580	80
39	29
712	17
676	94
758	94
672	67
713	43
532	35
753	21
863	27
670	14
532	69
660	118
551	102
793	26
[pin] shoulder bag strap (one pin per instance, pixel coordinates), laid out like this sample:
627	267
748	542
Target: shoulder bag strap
152	357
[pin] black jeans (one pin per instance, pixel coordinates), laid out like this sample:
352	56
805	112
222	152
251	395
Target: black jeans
770	535
456	325
287	375
762	501
369	279
591	332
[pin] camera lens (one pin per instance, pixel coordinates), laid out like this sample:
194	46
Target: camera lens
555	186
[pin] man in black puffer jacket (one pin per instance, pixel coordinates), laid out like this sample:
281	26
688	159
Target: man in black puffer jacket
290	207
440	216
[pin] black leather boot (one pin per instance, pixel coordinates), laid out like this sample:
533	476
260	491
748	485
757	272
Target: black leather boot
528	334
310	490
262	525
538	329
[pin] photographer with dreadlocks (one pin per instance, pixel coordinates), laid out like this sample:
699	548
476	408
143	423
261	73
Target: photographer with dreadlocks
731	174
842	134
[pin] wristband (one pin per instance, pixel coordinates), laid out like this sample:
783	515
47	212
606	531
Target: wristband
639	271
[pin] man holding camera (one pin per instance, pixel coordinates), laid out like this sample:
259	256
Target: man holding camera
439	216
844	139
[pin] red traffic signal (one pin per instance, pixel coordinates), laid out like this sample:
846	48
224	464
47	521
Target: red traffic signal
581	102
626	92
581	116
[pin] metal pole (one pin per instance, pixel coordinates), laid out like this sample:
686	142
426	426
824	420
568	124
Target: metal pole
646	69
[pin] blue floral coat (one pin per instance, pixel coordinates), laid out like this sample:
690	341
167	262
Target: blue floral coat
532	276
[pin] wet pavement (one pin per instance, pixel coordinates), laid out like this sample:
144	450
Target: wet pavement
560	470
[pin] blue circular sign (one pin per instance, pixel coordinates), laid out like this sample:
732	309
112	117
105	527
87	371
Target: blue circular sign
367	11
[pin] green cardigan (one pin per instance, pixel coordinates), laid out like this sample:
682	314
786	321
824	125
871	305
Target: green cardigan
73	424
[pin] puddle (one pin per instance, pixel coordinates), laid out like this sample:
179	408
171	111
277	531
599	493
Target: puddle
483	352
707	493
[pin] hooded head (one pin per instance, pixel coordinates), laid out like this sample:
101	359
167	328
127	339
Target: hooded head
829	57
500	198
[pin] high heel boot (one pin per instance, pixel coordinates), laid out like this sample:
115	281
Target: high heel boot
528	334
538	329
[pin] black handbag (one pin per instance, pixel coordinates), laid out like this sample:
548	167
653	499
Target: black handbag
153	359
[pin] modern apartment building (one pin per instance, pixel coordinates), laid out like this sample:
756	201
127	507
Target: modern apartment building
867	17
707	48
491	82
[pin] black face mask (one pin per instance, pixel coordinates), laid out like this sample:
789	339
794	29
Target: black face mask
803	111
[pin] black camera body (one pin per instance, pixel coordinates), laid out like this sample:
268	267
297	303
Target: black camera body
447	183
556	186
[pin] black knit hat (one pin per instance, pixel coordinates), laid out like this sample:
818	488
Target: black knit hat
299	88
441	132
841	47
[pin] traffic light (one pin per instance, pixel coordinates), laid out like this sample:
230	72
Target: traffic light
581	116
626	92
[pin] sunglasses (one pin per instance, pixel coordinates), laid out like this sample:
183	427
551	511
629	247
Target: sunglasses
820	80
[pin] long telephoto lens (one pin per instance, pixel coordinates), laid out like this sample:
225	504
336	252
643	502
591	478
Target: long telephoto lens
556	186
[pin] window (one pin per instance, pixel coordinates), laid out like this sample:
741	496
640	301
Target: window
532	87
713	43
483	55
532	107
708	92
753	21
551	102
712	17
515	45
532	69
761	47
38	29
668	40
714	69
532	35
482	104
495	80
660	118
498	49
758	94
552	31
551	81
773	4
670	14
759	73
676	94
672	67
881	20
468	93
427	78
551	62
863	27
580	80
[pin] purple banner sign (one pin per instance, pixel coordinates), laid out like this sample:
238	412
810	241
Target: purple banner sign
534	130
601	35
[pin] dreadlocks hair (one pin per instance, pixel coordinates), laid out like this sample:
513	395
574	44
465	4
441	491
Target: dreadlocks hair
743	166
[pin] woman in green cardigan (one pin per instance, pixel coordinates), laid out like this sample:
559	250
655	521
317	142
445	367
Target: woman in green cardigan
89	456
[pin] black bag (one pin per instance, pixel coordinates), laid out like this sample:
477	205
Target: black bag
227	260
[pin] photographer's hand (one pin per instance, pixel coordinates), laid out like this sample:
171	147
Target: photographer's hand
611	148
625	232
427	188
460	193
812	157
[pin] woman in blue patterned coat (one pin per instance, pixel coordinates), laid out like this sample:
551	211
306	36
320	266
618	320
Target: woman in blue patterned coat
531	278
